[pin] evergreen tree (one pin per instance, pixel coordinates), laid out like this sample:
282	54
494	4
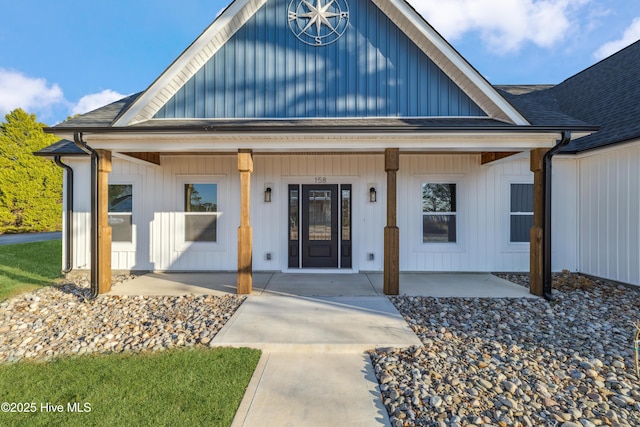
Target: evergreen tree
30	186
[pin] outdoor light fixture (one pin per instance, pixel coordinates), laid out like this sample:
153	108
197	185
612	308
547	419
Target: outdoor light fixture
267	195
372	195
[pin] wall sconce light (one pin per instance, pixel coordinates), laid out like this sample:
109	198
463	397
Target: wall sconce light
267	195
372	195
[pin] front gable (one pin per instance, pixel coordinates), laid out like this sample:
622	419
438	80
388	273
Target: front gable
388	63
372	70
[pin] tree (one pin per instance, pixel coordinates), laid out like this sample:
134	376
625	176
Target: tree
30	186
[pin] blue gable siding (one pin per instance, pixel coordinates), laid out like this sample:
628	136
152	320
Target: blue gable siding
373	70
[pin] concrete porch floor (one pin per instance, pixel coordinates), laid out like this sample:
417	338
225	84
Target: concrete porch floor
441	285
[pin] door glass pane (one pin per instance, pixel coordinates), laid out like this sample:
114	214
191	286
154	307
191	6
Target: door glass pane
293	214
346	214
320	215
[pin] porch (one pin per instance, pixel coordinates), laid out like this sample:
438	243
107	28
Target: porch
439	285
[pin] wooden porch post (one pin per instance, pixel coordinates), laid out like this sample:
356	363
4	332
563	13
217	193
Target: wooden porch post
391	231
104	229
536	262
245	237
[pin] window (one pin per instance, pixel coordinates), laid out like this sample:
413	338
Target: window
201	207
120	212
438	213
521	213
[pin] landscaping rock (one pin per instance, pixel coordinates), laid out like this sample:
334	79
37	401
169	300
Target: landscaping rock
59	321
519	362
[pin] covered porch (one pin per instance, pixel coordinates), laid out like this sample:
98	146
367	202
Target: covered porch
438	285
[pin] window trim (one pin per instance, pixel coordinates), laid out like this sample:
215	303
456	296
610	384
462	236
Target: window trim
507	244
512	214
136	210
182	245
441	247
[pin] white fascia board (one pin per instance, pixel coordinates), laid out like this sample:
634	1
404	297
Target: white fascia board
213	37
274	142
435	39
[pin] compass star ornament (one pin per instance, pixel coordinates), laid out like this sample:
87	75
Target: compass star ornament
318	22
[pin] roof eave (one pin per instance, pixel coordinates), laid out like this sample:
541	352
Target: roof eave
307	129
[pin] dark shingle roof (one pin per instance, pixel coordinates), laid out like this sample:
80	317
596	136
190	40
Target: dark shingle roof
606	94
101	117
539	106
64	147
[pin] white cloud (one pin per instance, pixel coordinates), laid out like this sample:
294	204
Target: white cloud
96	100
505	25
31	94
631	35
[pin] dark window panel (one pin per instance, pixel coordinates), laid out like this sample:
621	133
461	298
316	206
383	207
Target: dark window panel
439	229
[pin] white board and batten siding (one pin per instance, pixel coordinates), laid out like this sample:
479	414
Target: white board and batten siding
609	189
482	212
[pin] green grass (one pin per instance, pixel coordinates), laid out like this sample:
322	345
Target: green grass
173	388
28	266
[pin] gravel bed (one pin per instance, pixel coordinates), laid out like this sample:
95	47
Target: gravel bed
517	362
60	321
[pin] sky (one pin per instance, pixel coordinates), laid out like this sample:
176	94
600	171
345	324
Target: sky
65	57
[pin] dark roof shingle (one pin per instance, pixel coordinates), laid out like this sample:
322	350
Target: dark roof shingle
101	117
606	94
64	147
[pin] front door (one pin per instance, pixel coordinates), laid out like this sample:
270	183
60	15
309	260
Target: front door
320	226
320	221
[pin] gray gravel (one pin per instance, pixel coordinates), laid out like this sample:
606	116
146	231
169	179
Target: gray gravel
60	321
517	362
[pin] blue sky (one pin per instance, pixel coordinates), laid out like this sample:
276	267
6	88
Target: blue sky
70	56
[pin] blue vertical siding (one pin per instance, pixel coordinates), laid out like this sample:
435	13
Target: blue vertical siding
373	70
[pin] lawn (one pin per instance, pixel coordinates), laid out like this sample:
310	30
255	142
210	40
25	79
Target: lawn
28	266
172	388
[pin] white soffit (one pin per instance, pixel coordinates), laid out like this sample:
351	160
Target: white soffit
212	142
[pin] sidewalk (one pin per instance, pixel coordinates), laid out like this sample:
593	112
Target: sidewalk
314	370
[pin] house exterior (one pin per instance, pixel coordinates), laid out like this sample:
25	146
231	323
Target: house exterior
603	169
346	136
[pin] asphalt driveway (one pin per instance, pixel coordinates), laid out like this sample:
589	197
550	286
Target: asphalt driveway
12	239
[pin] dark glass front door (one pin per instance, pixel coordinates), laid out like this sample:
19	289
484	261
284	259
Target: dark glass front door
319	226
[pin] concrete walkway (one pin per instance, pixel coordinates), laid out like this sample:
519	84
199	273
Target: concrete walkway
314	330
314	370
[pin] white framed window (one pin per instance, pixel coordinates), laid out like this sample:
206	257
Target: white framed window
439	212
200	211
520	212
199	222
120	208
